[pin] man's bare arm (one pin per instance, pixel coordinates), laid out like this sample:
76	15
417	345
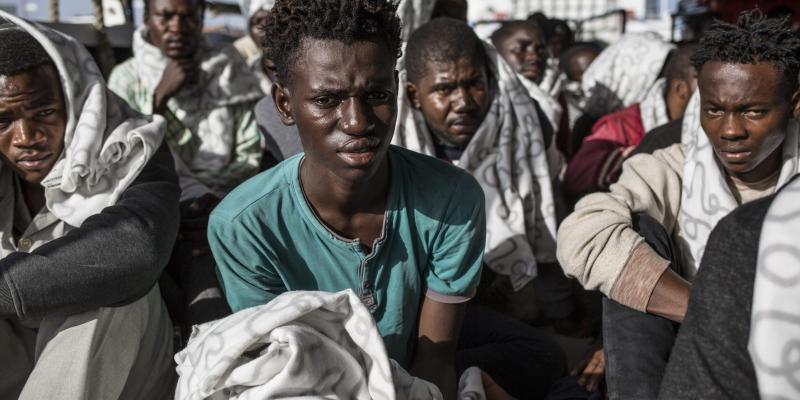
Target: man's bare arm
434	360
670	296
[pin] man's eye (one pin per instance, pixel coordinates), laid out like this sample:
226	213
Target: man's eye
45	113
713	112
325	101
754	113
378	96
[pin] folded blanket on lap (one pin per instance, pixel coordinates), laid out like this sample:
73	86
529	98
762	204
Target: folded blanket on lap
302	344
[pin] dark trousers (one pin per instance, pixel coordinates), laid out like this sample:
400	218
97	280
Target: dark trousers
638	345
522	360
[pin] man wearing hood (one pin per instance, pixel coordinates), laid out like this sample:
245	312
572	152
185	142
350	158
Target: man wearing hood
88	215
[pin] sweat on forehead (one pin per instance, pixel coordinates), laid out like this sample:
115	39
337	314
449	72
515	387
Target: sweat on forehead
19	51
347	21
442	40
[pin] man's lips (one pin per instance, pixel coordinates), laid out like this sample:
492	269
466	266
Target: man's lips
360	152
34	161
735	155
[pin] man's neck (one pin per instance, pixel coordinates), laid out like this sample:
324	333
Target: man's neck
34	196
328	192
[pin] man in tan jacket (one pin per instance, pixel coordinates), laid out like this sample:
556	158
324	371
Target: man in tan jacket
640	243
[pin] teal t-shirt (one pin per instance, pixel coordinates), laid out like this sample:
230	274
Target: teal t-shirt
267	240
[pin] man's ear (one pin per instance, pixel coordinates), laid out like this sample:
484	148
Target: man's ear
413	95
682	88
796	103
282	100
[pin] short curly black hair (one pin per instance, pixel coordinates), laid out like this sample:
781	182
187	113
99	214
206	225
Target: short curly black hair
751	40
347	21
442	40
19	51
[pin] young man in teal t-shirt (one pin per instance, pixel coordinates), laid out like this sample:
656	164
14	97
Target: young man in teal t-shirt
405	231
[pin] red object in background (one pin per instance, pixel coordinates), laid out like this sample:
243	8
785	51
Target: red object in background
729	9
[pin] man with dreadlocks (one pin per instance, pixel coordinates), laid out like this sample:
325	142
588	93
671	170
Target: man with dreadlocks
641	243
353	212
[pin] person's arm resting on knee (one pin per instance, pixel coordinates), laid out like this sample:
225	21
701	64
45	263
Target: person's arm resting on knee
598	245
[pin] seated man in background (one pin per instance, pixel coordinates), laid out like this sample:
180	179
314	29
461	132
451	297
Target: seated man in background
464	100
522	45
207	96
353	211
88	216
640	244
573	62
250	46
598	162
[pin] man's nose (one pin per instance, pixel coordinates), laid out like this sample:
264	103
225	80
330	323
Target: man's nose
25	134
732	127
463	101
355	118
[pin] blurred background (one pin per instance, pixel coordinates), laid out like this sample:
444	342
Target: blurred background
110	22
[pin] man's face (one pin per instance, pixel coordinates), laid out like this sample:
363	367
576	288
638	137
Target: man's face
343	100
745	109
32	122
257	23
454	98
175	26
525	51
578	63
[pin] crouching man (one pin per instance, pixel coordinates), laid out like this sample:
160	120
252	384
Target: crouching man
88	215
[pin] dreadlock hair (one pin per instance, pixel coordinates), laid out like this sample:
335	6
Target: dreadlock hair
441	40
346	21
751	40
19	51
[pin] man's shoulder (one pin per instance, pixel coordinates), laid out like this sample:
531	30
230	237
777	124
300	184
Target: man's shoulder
430	176
260	195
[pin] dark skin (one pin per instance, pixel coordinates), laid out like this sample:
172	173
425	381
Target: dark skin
679	92
343	100
454	98
525	51
175	27
32	123
257	23
745	111
578	62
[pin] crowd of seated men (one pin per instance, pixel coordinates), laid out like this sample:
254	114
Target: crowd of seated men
482	200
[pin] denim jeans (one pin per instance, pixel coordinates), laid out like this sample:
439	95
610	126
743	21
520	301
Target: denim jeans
638	345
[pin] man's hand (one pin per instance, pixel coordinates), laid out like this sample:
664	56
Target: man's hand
177	74
591	370
492	390
194	222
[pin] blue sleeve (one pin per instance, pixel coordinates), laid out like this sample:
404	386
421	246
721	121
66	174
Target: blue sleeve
246	274
457	250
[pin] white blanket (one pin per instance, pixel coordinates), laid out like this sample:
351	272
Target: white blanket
653	108
775	324
508	158
106	143
706	196
624	72
547	102
310	345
